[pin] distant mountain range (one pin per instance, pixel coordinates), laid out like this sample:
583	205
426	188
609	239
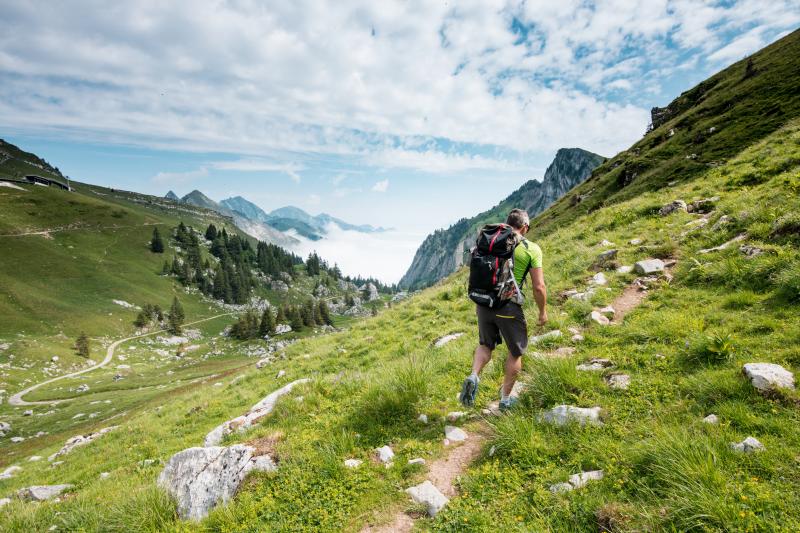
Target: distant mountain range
443	251
283	226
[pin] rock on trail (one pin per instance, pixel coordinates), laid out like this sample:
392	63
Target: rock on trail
427	494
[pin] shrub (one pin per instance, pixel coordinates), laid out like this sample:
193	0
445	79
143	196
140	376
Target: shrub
711	349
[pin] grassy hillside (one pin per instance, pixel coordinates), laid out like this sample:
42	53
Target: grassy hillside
665	469
15	164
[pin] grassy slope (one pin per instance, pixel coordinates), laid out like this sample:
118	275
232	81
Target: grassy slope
665	469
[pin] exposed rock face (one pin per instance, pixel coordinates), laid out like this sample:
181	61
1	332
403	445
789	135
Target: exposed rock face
200	478
40	493
444	251
765	376
427	494
256	413
80	440
371	292
676	205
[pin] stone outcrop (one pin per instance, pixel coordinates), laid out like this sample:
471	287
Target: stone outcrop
444	251
256	413
80	440
766	376
200	478
649	266
40	493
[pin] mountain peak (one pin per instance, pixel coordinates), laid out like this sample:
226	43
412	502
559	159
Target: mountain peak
172	196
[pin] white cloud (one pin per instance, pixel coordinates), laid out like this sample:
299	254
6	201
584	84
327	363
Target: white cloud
180	177
381	186
314	200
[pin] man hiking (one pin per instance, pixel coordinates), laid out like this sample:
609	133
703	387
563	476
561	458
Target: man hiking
499	264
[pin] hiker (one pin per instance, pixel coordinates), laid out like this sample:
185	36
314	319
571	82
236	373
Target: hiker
500	262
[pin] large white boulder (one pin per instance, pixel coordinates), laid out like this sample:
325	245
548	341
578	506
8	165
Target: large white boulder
40	493
247	420
427	494
765	376
748	445
200	478
385	454
561	415
454	434
599	318
649	266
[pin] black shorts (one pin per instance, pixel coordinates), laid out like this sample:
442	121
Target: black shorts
505	324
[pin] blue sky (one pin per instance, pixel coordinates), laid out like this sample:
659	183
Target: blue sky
406	114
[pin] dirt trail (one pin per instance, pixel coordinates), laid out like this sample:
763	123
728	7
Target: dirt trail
16	399
46	232
442	473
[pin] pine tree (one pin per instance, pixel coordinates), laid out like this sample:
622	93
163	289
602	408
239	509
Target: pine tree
324	313
308	315
176	266
211	232
156	244
142	319
267	325
165	270
82	345
280	318
295	319
176	317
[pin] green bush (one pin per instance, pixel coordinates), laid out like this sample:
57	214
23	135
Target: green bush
711	349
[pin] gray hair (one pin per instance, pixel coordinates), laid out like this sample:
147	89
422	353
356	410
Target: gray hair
518	218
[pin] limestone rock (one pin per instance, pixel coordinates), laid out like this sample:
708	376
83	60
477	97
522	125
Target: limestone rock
280	329
441	341
562	414
455	416
599	279
577	338
10	471
635	242
4	501
40	493
82	388
619	381
5	428
580	480
200	478
608	310
748	445
765	376
724	245
549	335
256	413
28	412
605	258
598	317
34	458
711	419
624	269
352	463
454	434
560	488
675	205
595	364
417	461
427	494
263	362
104	475
280	374
649	266
564	351
80	440
703	206
15	440
423	418
385	454
372	292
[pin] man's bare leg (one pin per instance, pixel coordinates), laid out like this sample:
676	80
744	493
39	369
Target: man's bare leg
513	366
482	357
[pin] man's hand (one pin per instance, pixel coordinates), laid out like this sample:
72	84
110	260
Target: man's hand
542	318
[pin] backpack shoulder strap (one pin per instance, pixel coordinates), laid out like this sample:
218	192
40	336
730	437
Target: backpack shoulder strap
528	267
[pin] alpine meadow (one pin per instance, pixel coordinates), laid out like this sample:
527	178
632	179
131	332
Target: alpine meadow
172	363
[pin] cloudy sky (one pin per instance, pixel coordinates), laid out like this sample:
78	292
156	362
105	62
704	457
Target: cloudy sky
405	114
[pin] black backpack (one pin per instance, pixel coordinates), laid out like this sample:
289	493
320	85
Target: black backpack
491	267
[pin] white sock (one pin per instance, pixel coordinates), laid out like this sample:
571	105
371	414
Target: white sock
475	377
503	395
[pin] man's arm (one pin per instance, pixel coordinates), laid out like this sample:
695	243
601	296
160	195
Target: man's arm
539	293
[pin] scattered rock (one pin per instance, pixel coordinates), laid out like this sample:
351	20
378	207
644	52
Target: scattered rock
564	351
353	463
200	478
423	418
560	488
577	338
4	501
80	440
148	462
711	419
738	238
28	412
750	250
454	434
625	269
723	221
748	445
675	205
703	206
600	318
563	414
549	335
608	310
280	329
455	416
40	493
280	374
577	481
17	439
82	388
427	494
256	413
606	242
649	266
441	341
599	279
766	376
262	363
10	471
602	260
385	454
417	461
619	381
595	364
635	242
34	458
5	428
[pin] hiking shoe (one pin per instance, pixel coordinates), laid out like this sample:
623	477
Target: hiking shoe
469	389
508	404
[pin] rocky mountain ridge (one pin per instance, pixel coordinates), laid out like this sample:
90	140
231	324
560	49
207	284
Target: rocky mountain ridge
442	252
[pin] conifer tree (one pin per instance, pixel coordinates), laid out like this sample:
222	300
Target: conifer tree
324	313
82	345
142	319
295	319
267	325
280	318
176	317
307	314
156	244
165	270
211	232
